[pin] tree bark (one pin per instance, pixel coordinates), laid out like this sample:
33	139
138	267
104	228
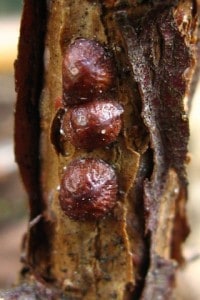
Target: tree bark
133	252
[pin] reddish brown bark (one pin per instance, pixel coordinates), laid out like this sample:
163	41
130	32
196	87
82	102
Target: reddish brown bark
132	252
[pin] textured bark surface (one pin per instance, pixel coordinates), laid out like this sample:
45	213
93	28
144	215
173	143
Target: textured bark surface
133	252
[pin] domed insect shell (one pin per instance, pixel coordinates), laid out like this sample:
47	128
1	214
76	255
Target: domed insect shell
88	71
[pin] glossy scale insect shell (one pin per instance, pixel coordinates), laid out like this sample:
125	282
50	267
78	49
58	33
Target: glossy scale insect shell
88	189
93	124
88	71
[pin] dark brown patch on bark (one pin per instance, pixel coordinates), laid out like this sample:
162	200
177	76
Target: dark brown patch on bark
29	81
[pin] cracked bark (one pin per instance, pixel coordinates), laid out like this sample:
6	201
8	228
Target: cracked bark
133	253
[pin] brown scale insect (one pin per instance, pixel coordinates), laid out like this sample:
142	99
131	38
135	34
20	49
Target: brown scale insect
88	71
88	189
93	124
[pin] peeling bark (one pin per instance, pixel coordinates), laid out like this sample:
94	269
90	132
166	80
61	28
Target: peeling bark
133	252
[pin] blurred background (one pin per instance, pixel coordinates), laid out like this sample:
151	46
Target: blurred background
13	204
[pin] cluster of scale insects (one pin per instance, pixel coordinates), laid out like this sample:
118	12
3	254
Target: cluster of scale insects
91	119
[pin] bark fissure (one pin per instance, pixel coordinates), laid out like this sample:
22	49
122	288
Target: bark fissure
128	253
169	142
